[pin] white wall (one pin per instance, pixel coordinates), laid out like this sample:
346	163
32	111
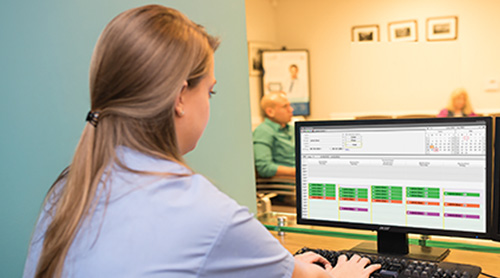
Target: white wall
350	79
261	27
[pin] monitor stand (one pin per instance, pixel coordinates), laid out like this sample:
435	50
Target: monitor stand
396	244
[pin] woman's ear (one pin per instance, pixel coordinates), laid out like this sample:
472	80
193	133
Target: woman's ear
179	103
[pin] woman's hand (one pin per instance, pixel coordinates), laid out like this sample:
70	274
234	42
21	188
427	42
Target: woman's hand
311	257
354	268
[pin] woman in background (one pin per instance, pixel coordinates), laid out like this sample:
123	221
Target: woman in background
128	205
458	105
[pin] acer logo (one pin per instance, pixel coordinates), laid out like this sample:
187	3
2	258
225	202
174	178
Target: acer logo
383	228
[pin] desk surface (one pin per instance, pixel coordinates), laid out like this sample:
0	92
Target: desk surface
490	263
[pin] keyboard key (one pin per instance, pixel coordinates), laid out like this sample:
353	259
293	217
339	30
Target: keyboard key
389	274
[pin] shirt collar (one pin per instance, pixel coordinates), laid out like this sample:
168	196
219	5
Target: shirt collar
143	162
275	126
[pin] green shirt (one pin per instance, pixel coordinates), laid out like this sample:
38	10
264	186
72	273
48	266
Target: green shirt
273	146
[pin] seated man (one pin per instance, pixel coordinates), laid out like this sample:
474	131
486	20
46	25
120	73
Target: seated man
273	140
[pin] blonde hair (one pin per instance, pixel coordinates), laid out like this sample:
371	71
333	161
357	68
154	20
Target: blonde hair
467	110
138	68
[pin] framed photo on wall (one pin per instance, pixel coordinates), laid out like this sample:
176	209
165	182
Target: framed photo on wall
403	31
287	71
255	56
365	33
442	28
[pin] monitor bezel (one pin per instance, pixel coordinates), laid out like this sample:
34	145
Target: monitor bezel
399	229
495	231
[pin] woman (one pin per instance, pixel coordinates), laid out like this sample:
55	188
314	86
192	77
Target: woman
458	105
128	206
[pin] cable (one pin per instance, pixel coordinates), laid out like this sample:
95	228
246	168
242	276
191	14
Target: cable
487	275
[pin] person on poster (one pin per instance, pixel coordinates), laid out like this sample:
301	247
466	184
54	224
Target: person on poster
295	87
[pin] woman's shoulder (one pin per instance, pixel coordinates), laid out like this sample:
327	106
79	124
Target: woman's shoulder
203	196
176	195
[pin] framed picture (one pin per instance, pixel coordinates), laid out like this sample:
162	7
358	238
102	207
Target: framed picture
287	71
365	33
403	31
255	56
442	28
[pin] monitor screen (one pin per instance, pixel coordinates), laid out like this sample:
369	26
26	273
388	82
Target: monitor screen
429	176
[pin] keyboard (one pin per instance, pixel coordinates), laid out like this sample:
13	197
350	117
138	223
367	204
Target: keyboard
401	267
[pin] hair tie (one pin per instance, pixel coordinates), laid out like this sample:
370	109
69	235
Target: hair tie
93	118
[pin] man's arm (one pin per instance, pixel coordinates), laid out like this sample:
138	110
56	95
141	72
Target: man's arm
285	171
264	164
263	154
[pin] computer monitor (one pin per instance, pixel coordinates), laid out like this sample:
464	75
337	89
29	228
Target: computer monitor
396	176
496	184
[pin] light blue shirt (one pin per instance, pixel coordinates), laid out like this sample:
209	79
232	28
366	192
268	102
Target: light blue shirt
167	227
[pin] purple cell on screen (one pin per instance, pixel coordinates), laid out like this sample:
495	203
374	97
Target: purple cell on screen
349	209
415	213
454	215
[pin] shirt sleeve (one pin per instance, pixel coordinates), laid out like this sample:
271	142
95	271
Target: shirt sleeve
246	249
262	148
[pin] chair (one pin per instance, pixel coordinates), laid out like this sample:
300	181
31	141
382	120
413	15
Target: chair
264	203
281	185
372	117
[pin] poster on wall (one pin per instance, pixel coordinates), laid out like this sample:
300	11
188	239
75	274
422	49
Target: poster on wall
287	71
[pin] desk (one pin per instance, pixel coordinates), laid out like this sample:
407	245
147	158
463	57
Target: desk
489	262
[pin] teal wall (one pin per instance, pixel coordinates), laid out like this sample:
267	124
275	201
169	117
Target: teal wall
44	59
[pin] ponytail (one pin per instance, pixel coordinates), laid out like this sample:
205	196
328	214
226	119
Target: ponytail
80	185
